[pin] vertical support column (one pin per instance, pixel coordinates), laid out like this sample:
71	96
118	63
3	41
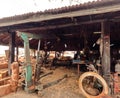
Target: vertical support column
17	53
105	26
28	67
34	51
11	50
39	64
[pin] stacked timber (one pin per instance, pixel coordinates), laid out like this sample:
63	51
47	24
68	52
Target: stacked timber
3	73
3	65
14	76
3	68
11	84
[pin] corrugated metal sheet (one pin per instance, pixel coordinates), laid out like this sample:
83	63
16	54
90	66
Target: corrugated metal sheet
87	5
4	38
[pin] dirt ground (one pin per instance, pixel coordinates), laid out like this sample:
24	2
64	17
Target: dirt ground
21	94
67	88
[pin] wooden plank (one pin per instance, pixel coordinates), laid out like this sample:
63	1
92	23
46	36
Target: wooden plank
4	79
46	17
3	73
3	65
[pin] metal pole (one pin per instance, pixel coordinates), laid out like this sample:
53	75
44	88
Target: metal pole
38	50
38	65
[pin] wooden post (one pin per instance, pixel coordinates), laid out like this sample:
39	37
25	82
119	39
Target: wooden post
34	51
17	53
105	27
12	50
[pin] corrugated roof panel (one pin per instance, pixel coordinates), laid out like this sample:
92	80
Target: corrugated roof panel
81	6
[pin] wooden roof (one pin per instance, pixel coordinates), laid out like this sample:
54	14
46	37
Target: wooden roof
69	24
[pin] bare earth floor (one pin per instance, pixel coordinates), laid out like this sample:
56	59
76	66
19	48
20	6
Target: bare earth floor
21	94
67	88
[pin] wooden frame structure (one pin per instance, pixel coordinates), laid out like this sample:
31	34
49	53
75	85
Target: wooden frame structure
67	24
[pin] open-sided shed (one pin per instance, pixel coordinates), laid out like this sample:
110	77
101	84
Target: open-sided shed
75	26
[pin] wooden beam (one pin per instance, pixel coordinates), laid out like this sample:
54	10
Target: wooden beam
4	39
105	26
61	25
37	36
45	17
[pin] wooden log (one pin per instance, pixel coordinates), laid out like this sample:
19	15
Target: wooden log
54	82
46	74
41	87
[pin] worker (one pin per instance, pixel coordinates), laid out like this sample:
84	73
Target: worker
77	55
